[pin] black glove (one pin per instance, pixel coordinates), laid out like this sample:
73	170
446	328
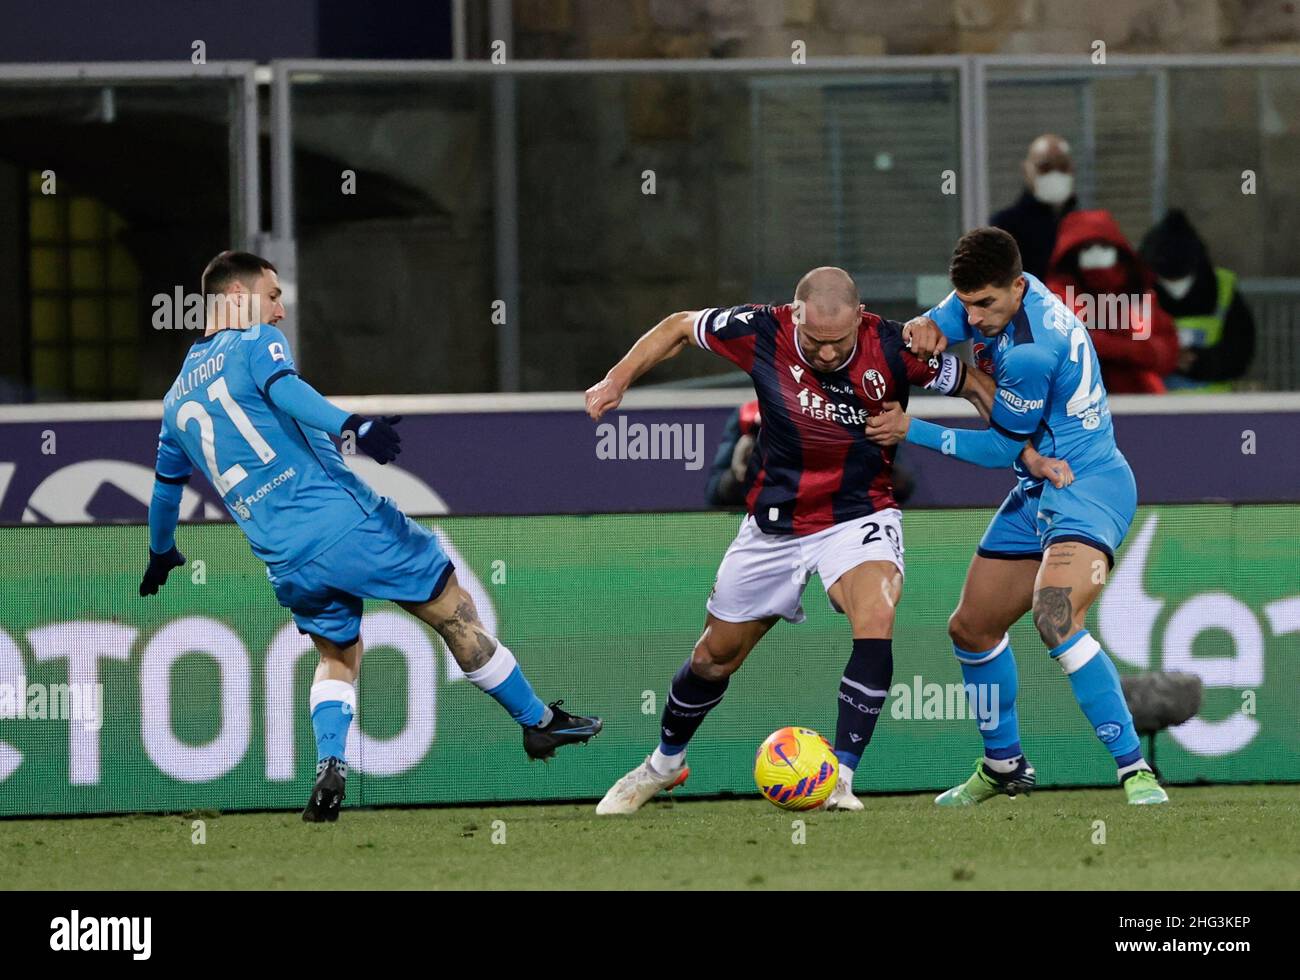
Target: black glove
375	437
159	566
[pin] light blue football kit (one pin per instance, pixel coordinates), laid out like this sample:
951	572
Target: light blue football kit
286	485
239	412
1049	393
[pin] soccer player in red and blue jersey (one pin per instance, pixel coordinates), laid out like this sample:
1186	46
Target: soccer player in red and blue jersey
821	501
239	412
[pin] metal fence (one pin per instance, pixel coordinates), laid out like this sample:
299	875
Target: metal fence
515	226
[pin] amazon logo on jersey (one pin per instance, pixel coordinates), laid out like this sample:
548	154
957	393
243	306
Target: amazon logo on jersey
1017	404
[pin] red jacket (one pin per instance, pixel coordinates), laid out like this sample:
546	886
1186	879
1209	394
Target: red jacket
1129	364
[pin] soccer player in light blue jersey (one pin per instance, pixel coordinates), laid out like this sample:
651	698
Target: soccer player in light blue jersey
1049	547
261	435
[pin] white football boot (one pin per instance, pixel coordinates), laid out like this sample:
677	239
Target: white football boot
842	798
635	789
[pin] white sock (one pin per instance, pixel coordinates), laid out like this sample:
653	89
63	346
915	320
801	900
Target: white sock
495	671
1003	765
332	690
666	765
1136	767
846	778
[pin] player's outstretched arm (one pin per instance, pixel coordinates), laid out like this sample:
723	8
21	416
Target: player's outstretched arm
656	345
983	447
375	437
1017	410
165	512
295	397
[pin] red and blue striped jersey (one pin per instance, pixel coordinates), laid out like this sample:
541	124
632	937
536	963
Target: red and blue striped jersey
813	466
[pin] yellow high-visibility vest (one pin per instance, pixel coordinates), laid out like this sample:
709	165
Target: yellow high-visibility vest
1205	330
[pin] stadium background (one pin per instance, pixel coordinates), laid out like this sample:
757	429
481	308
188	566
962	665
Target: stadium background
500	241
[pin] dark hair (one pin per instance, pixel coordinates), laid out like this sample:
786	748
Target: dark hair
984	257
230	266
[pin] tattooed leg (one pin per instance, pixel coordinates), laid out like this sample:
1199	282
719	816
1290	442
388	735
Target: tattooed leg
1053	615
1068	581
467	639
487	662
1071	576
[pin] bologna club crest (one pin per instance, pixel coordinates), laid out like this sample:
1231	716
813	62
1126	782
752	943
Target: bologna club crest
873	383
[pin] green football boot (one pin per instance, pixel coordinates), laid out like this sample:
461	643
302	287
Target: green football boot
985	784
1142	789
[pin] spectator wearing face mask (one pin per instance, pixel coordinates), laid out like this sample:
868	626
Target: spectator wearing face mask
1110	289
1049	195
1216	331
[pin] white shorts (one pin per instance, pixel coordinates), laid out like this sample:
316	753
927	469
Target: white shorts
764	575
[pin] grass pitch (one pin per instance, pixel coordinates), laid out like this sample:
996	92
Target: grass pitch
1226	837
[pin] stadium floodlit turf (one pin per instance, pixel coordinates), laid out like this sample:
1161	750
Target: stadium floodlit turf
1224	837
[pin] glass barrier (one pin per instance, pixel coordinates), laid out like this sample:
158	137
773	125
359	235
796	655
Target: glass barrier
1218	143
628	194
113	196
393	201
638	195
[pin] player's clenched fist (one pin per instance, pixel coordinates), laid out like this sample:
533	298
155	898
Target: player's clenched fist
924	337
889	428
603	396
375	437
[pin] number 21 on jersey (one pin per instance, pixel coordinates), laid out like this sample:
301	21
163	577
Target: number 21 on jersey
223	480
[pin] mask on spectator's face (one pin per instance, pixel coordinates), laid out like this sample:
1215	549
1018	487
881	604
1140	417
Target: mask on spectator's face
1098	256
1178	288
1100	270
1054	187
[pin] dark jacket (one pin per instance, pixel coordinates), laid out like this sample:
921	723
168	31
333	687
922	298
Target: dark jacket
1033	225
723	489
1174	249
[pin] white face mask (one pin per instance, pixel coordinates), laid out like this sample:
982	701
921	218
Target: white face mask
1054	187
1178	288
1098	257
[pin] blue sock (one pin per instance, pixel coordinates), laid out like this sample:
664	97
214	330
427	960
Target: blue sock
991	687
1096	686
863	690
333	704
690	698
501	678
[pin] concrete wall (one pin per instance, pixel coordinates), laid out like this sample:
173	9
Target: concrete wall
752	28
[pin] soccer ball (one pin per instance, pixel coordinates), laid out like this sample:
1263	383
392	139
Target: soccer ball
796	769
